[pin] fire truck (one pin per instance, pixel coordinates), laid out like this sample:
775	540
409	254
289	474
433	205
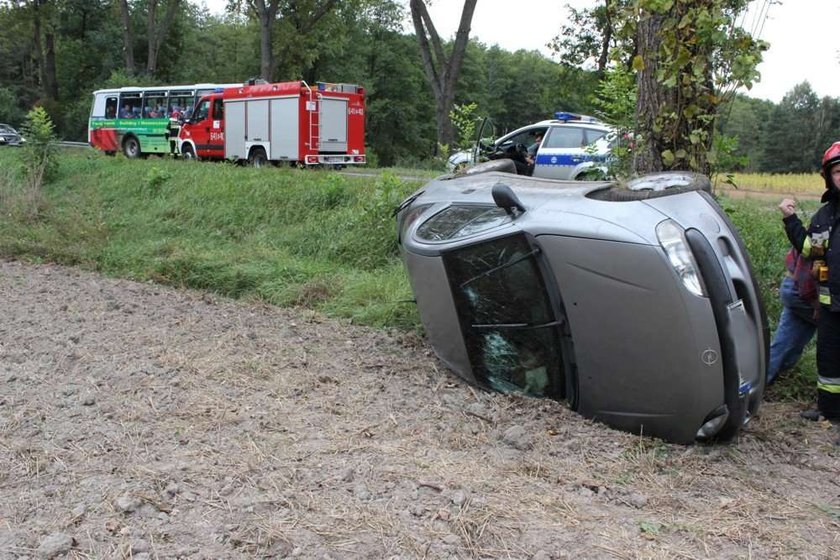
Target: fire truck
286	122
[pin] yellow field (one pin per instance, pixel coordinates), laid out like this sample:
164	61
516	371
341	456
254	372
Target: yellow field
798	183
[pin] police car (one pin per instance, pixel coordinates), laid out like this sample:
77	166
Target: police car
569	146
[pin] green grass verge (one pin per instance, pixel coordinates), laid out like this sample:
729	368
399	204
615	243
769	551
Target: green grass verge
289	237
309	238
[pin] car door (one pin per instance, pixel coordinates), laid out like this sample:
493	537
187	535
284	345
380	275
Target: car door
562	150
206	130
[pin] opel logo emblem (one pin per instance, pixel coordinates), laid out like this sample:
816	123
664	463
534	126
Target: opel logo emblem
709	356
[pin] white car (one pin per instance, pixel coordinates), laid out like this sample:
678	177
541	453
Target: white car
571	147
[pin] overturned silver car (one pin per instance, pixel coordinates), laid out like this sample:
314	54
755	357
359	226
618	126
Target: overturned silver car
635	303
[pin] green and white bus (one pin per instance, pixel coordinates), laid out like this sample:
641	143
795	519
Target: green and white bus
142	120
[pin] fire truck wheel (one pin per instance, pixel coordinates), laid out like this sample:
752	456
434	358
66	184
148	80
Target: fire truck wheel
131	147
188	153
258	158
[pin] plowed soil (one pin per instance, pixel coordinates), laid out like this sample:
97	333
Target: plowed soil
139	421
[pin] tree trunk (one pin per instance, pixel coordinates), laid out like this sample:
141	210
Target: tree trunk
265	15
441	72
674	136
50	78
157	33
37	50
606	38
649	95
128	38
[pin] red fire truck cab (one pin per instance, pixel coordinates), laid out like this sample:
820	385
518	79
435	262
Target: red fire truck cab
289	122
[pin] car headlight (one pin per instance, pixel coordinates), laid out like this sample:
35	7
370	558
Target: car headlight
672	239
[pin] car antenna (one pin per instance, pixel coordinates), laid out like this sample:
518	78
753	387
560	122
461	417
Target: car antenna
505	198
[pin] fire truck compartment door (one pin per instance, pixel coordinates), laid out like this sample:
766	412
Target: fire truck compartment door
258	131
235	130
285	119
333	124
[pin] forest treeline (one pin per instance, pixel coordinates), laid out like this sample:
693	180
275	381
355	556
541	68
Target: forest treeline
55	53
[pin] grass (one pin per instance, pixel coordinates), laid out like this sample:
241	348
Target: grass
284	236
306	238
810	184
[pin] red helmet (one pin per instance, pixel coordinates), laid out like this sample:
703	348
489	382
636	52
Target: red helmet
831	156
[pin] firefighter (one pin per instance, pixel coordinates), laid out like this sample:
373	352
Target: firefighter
821	243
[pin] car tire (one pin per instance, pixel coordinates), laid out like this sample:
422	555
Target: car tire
188	153
131	147
635	188
258	158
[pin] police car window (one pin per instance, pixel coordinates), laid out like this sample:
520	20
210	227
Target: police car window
593	136
460	221
564	138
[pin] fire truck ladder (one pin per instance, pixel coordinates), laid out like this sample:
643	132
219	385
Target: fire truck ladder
314	118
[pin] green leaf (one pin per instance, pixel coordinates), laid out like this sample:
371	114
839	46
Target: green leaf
668	157
638	63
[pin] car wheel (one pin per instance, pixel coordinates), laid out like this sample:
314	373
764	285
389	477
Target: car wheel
258	158
653	186
131	147
188	153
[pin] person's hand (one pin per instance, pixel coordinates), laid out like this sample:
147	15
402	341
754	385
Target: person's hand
787	207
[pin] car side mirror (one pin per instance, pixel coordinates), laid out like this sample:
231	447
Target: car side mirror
505	198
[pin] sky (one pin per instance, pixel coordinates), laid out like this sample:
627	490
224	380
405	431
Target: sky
804	36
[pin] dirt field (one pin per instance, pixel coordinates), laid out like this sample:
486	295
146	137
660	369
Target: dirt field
138	421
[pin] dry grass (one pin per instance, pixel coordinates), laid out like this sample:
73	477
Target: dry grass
261	432
809	184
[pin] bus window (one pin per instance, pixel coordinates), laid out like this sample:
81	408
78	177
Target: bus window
130	105
104	106
154	105
218	109
111	107
178	102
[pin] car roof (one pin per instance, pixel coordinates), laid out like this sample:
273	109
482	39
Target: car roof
550	123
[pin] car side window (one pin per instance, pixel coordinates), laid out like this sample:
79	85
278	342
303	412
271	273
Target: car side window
202	111
526	138
564	137
593	136
506	315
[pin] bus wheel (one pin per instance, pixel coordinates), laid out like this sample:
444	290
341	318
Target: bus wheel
188	153
258	158
131	147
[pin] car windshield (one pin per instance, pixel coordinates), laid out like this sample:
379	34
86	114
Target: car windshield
6	128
